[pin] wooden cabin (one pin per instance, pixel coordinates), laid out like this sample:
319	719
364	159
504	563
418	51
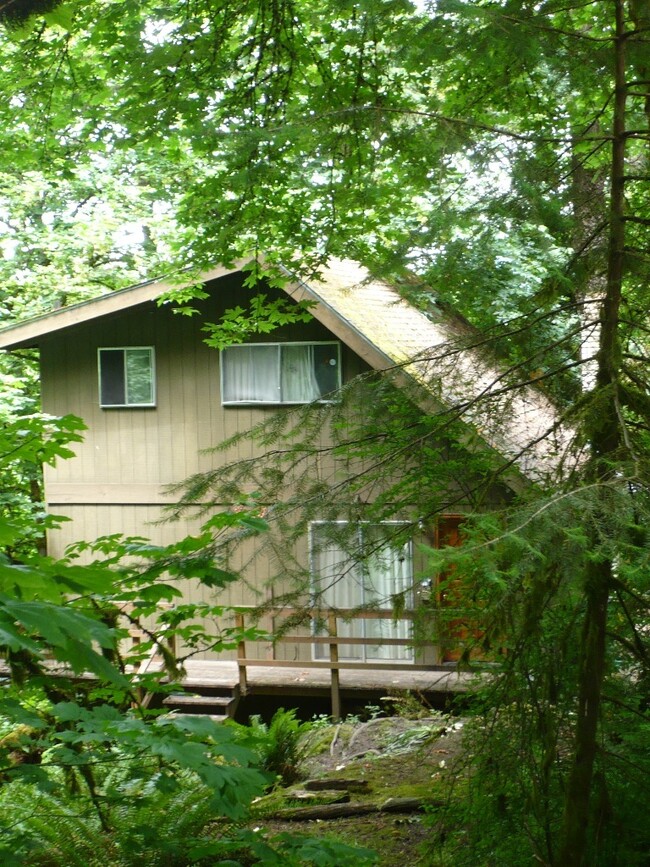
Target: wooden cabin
156	398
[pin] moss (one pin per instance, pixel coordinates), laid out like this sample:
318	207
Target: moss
415	762
319	739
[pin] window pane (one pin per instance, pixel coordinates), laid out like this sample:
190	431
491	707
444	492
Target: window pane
111	375
279	372
384	571
339	583
139	376
299	383
388	564
336	575
327	368
251	373
388	572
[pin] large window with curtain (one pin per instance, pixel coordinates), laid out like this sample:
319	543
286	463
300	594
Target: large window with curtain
280	372
358	566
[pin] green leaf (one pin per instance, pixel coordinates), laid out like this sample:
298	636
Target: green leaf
215	577
259	525
61	16
82	658
8	533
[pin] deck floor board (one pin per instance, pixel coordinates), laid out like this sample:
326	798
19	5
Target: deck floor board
224	673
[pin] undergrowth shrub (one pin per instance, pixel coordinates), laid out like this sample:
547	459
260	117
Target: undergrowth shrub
252	849
149	827
506	805
280	748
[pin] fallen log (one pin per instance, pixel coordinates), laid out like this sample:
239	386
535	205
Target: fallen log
407	805
325	811
337	785
343	811
323	796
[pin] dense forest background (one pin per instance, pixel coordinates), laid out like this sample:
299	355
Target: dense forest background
488	157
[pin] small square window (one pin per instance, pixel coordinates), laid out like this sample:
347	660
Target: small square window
280	372
126	376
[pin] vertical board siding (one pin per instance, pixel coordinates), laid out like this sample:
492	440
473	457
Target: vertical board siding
162	446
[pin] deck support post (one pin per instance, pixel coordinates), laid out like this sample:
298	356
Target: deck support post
241	656
334	672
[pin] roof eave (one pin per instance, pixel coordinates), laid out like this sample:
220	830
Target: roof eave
29	334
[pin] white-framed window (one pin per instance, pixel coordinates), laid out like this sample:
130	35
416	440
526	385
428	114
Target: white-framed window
280	372
126	376
365	565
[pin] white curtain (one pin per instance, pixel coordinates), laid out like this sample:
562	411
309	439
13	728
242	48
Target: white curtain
299	383
251	373
343	583
279	373
338	584
388	572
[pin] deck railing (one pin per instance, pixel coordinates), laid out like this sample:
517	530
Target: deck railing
326	619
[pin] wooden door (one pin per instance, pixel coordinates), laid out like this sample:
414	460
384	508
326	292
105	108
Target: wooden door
453	630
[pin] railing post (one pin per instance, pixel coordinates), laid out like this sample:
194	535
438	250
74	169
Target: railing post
241	656
334	672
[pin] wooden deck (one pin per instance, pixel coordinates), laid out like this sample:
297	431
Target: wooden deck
210	686
300	680
339	680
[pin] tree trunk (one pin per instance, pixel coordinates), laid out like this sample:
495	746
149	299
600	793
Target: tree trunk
577	800
590	249
605	441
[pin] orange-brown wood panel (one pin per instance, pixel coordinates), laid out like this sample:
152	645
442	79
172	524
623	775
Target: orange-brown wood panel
455	630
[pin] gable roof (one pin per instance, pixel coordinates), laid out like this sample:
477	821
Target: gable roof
29	333
437	352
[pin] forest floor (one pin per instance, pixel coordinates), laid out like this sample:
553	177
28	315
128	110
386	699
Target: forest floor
386	759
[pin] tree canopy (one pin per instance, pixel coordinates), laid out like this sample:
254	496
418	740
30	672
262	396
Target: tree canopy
499	151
